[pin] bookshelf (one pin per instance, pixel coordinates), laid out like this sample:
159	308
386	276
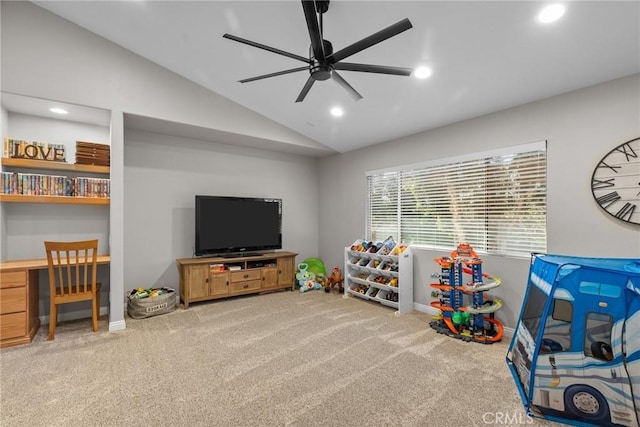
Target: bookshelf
52	166
67	200
367	276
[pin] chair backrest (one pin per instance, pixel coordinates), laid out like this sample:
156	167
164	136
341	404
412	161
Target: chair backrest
72	267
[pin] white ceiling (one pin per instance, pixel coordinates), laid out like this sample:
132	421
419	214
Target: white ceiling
41	107
485	56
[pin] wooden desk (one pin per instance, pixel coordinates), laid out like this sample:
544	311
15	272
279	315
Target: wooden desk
19	299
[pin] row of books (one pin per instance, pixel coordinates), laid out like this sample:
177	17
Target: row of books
21	148
53	185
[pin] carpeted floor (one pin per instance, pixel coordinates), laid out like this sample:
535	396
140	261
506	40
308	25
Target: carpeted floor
286	358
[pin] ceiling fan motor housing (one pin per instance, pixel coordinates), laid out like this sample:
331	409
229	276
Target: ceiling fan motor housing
321	70
322	6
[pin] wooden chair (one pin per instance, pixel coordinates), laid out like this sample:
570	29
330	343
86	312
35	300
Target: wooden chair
72	277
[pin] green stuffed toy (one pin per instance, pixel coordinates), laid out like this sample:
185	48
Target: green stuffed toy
316	266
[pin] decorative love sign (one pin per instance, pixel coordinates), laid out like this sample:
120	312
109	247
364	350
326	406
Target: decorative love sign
33	150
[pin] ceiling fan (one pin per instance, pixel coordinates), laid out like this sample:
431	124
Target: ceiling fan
323	62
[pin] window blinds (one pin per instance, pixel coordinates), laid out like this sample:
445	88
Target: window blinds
496	203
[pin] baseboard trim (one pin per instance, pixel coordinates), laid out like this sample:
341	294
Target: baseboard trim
73	315
120	325
423	308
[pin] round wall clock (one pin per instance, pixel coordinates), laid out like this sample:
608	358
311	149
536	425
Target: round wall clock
615	183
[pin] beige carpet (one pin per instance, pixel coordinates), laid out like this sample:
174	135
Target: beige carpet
277	359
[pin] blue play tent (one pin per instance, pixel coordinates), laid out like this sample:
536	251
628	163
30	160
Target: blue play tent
575	353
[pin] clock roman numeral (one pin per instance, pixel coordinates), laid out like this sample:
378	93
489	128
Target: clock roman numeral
602	164
597	184
626	211
628	151
608	199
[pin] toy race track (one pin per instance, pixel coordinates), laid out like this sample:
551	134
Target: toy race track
466	311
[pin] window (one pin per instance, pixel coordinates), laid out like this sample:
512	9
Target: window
600	289
597	337
533	307
494	201
556	336
557	328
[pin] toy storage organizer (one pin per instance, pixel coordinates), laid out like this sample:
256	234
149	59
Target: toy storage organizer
386	279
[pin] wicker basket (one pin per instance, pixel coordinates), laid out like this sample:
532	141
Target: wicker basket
140	308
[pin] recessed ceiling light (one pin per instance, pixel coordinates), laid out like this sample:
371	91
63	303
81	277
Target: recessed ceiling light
58	110
422	72
551	13
337	112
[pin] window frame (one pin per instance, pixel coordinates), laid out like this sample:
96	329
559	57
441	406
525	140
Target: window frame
488	231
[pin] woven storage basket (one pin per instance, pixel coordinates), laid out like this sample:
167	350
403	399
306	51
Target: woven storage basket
140	308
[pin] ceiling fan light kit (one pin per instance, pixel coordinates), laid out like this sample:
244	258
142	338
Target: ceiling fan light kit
323	62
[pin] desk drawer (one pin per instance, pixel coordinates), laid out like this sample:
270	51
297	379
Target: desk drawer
244	275
13	325
13	300
13	279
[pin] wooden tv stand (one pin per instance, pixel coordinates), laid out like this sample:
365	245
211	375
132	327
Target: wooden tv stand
203	279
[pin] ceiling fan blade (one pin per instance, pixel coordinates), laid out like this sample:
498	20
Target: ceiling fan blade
277	73
265	47
375	38
310	14
381	69
342	82
305	89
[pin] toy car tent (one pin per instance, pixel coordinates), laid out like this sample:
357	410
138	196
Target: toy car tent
575	353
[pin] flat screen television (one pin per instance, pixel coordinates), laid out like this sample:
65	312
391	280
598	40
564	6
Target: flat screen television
236	225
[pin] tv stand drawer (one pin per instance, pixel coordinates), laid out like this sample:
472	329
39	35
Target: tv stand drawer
246	286
244	275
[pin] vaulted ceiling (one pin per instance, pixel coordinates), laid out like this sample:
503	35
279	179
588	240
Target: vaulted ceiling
484	56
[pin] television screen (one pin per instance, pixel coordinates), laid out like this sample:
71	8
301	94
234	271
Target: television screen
237	224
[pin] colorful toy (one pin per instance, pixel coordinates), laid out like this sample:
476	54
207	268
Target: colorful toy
399	249
360	247
322	280
307	280
311	270
387	246
575	352
460	317
361	289
303	275
334	280
141	293
316	266
309	285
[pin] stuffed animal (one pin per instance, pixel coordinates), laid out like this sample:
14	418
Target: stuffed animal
334	279
321	279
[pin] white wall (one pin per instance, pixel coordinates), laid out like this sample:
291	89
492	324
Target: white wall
580	127
164	173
